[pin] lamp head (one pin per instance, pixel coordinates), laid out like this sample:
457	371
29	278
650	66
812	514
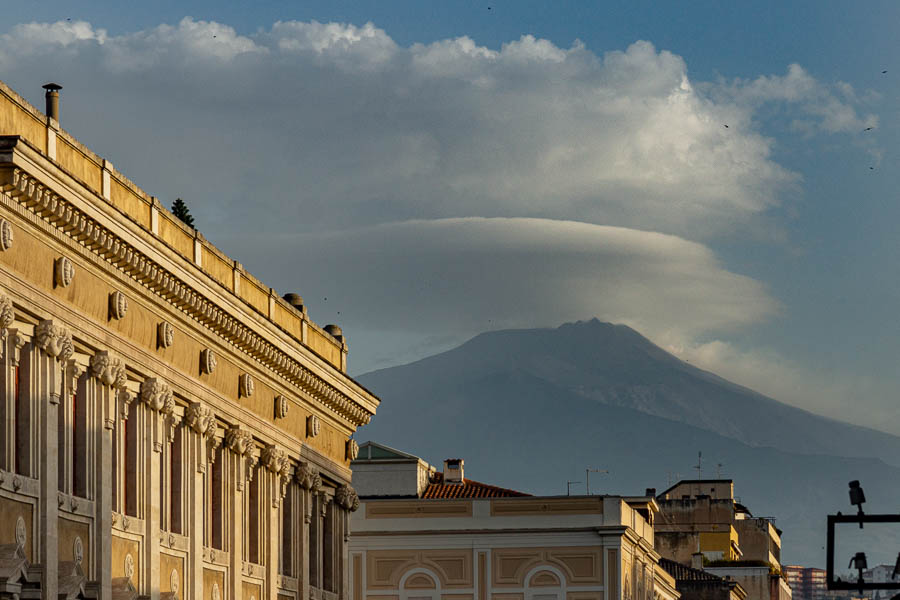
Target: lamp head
857	496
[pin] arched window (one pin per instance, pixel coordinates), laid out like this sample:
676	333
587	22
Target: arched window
420	584
545	582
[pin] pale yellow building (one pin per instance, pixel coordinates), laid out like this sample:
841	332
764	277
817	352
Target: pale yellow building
424	534
171	427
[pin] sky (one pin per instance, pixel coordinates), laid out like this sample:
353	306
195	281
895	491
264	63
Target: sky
720	176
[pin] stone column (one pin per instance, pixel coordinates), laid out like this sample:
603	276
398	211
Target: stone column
347	501
278	466
156	394
108	373
242	460
201	443
310	482
54	348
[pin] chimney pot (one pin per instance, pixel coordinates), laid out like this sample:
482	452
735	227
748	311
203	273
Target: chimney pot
295	300
52	98
650	492
453	470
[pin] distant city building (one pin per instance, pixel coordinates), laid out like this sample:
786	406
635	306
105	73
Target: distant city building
701	525
697	584
807	583
424	534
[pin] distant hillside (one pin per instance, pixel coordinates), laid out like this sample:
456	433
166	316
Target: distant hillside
531	409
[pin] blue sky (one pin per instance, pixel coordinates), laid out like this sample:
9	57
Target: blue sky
791	263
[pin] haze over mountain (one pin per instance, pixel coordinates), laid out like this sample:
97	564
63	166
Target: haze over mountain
532	409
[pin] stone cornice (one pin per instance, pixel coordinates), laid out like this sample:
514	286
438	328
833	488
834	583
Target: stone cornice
35	196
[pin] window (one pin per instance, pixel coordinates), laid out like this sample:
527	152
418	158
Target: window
131	463
253	519
176	482
216	485
315	550
287	532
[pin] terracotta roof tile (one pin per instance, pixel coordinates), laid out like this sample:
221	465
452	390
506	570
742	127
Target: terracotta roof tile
467	489
685	573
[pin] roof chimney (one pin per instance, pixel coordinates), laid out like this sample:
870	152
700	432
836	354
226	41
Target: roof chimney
650	492
295	300
52	97
453	470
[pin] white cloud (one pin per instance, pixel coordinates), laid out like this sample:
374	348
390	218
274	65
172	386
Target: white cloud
346	127
461	276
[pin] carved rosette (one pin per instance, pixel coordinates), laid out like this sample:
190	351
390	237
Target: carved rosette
165	334
118	305
156	394
78	550
238	440
6	235
21	532
201	419
7	314
64	272
54	340
245	385
281	406
208	361
313	425
352	449
109	369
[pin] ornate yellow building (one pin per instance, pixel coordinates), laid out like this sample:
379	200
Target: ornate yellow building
171	428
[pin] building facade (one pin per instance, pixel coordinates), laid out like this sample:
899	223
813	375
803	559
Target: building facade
703	526
171	427
436	535
807	583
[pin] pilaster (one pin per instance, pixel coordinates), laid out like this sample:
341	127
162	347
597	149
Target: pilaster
200	429
107	374
53	348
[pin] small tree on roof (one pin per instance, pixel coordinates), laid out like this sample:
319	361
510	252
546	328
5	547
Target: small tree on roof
180	210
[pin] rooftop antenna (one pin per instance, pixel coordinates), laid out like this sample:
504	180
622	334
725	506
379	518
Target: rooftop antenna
569	487
699	465
718	470
587	477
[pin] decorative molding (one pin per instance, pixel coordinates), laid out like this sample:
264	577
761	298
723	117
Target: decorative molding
208	361
7	314
78	550
313	425
64	272
174	581
108	368
125	399
346	497
274	459
215	592
21	532
245	385
308	477
118	305
352	449
165	334
324	501
53	339
73	222
129	566
252	462
156	394
282	405
6	235
201	419
238	440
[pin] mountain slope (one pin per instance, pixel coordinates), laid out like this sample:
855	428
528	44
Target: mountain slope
615	365
532	409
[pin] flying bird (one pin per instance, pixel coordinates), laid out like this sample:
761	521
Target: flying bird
871	168
868	129
883	72
726	127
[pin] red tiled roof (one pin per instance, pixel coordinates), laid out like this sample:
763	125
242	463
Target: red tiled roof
467	489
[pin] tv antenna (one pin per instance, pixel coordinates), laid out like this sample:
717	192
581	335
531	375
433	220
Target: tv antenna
699	465
719	470
569	487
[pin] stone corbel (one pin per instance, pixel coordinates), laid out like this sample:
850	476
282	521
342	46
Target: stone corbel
202	421
276	461
310	481
345	497
250	463
125	398
213	442
15	341
108	368
155	393
324	501
239	441
109	371
73	372
7	315
54	340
